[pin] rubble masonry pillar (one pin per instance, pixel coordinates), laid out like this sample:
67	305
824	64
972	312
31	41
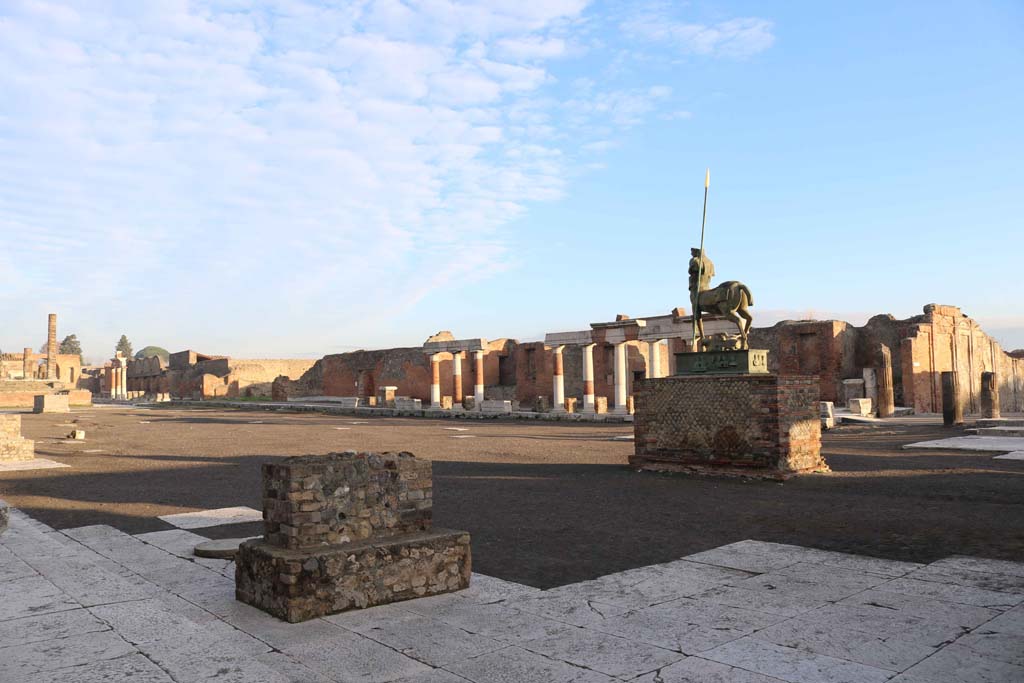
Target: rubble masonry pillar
990	395
952	406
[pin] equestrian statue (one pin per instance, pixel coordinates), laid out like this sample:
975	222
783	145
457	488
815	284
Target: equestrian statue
730	299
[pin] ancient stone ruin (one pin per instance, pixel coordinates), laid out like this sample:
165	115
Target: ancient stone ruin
12	445
345	531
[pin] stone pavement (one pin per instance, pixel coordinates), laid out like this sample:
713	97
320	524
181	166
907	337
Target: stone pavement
96	604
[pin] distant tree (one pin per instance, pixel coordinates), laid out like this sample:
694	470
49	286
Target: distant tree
151	351
124	346
43	349
70	345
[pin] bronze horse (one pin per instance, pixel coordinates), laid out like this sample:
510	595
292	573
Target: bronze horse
730	299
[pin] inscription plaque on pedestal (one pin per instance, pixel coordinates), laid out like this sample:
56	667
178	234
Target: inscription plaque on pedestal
738	362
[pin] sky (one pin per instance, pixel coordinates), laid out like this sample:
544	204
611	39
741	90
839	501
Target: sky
291	178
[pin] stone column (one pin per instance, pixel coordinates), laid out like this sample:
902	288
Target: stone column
558	382
26	364
124	380
114	375
952	405
51	347
990	395
654	359
457	379
883	377
621	386
478	379
588	378
435	381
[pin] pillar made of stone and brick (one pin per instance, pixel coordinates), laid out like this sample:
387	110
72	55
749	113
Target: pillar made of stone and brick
990	395
457	378
435	381
588	378
952	405
26	364
883	376
558	381
478	379
621	380
51	347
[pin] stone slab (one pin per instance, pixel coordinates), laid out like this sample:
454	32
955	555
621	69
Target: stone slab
206	518
861	407
1016	455
971	443
220	548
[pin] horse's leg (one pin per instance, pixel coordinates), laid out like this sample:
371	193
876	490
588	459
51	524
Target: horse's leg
731	315
700	329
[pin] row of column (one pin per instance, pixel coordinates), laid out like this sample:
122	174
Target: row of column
119	382
478	379
620	369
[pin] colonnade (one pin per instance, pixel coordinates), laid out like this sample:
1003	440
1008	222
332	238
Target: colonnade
435	378
119	381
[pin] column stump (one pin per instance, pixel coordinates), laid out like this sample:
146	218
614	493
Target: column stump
346	531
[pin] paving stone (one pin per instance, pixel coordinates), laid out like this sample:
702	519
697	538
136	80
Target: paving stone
957	664
861	563
1005	583
435	676
49	627
775	594
89	583
17	662
32	596
966	595
894	652
686	625
1011	621
698	670
965	617
981	564
12	567
752	556
887	622
483	589
792	665
194	658
275	632
352	657
516	665
569	609
844	580
608	654
135	668
498	621
430	641
207	518
293	670
1006	647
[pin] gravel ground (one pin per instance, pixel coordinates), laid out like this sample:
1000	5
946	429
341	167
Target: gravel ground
547	503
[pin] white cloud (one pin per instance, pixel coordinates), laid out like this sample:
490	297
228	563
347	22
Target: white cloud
736	38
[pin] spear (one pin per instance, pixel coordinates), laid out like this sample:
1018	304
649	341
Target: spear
700	262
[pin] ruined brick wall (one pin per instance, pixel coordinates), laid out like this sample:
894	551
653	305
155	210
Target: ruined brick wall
254	377
822	348
21	394
745	422
309	501
12	445
943	339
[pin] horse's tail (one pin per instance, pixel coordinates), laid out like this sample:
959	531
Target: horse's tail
750	297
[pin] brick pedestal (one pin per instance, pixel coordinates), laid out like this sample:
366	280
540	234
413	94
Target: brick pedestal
759	425
12	446
345	531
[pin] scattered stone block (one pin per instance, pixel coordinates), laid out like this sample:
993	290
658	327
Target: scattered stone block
850	388
542	404
496	407
860	406
870	384
601	405
570	405
446	403
386	397
469	403
220	548
828	416
77	434
51	403
406	403
12	446
346	531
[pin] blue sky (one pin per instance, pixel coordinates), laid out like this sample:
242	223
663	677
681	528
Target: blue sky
292	178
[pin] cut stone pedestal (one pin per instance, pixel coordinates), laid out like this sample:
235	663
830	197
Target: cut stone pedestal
12	445
759	425
51	403
860	406
345	531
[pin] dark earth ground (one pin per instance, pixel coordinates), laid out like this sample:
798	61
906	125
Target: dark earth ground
547	503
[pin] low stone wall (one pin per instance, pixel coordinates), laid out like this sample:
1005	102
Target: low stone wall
754	425
345	531
26	399
12	445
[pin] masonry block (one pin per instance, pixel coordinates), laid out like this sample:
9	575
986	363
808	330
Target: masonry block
345	531
760	425
860	406
51	403
12	445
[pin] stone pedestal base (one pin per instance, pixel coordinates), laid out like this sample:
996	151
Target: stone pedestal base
296	585
51	403
758	425
12	446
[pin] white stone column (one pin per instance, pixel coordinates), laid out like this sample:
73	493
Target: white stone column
478	379
435	381
558	382
654	359
621	385
588	378
457	379
124	382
